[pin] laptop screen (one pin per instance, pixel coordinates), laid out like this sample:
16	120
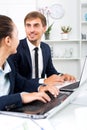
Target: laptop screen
83	77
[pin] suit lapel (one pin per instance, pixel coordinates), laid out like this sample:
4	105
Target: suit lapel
44	57
27	53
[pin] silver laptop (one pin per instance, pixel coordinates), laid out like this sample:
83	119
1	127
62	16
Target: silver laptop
40	110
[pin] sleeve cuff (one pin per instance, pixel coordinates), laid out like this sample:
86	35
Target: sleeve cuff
41	81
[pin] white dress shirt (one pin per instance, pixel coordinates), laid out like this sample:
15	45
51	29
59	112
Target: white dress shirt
4	80
40	60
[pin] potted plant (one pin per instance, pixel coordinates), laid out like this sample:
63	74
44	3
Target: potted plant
65	31
47	33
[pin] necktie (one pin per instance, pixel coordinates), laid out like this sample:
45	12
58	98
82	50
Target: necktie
36	62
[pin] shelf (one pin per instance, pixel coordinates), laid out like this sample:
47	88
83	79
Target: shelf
55	41
84	40
84	22
70	52
65	58
83	28
83	4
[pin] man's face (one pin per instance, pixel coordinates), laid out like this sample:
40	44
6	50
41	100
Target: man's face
34	30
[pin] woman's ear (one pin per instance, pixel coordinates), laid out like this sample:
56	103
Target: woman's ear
8	41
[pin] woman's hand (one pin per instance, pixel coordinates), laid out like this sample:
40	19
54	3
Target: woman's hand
29	97
51	88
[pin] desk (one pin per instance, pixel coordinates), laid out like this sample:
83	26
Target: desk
73	116
65	119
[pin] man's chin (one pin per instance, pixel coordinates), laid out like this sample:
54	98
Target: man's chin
33	40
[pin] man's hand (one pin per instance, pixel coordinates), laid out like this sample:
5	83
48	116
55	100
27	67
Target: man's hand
67	77
54	79
58	79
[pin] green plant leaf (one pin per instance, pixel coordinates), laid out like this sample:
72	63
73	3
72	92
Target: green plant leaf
49	29
66	29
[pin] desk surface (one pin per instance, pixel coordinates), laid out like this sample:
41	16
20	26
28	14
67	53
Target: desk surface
72	117
66	118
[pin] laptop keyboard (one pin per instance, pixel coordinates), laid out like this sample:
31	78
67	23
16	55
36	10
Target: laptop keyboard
38	107
61	95
54	101
70	86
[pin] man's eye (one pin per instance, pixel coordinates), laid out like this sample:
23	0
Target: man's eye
37	25
28	25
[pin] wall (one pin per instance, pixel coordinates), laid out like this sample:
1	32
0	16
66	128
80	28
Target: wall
71	17
18	9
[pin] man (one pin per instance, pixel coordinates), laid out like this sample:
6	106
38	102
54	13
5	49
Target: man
35	27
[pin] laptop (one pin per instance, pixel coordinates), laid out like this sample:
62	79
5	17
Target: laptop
40	110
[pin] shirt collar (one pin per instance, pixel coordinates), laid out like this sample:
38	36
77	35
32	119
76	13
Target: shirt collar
31	46
7	68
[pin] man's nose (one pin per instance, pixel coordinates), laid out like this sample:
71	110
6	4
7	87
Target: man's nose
32	29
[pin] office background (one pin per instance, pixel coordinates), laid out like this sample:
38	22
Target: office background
18	9
68	53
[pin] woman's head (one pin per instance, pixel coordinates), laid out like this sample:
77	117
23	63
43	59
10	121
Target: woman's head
8	33
6	26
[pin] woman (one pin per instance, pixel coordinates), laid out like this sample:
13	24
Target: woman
9	79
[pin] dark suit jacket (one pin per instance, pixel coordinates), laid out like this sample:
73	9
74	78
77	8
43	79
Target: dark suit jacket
17	84
23	62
